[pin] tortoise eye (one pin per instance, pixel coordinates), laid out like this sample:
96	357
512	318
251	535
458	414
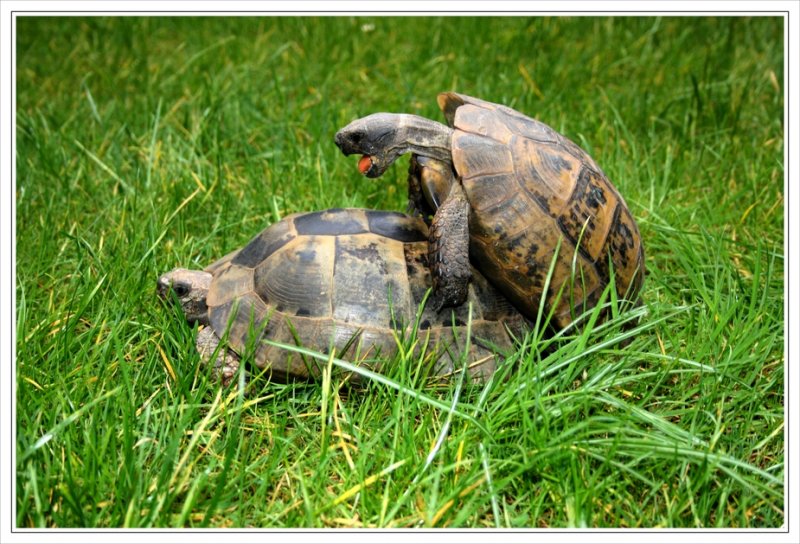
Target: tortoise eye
181	289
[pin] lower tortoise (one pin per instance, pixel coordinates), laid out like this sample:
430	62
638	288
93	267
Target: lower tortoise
510	195
346	280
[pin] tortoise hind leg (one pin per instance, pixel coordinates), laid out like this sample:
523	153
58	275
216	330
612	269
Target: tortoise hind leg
448	249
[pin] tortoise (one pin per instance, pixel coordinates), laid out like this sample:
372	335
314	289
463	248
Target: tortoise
511	195
347	280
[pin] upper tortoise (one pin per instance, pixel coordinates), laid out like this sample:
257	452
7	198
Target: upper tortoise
346	280
510	194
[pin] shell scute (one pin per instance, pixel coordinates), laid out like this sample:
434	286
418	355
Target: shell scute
265	244
231	282
586	218
475	155
290	330
369	281
508	218
297	280
494	307
545	175
484	192
482	122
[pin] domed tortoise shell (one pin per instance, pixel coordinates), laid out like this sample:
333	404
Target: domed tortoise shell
531	190
349	280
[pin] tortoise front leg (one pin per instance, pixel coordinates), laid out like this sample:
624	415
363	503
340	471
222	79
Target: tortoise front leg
227	361
448	249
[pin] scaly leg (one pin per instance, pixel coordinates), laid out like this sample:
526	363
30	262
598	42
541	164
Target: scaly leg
448	249
227	361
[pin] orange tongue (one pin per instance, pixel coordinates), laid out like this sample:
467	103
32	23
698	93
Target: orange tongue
364	164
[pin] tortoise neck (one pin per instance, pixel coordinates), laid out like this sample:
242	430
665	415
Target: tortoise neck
423	137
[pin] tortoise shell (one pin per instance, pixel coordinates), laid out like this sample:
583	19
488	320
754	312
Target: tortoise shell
532	190
351	281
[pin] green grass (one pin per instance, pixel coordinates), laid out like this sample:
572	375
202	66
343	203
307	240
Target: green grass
147	143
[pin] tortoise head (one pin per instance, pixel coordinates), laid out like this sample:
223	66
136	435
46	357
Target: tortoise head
376	138
190	289
382	137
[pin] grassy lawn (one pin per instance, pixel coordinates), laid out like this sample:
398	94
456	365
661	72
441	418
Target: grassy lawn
148	143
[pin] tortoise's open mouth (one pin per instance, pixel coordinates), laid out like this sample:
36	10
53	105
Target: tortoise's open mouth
365	164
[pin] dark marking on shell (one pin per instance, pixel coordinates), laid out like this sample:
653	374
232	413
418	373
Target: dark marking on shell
417	270
530	181
619	248
364	281
626	235
262	246
396	226
595	197
556	162
369	254
587	217
513	243
306	255
333	222
584	178
576	151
